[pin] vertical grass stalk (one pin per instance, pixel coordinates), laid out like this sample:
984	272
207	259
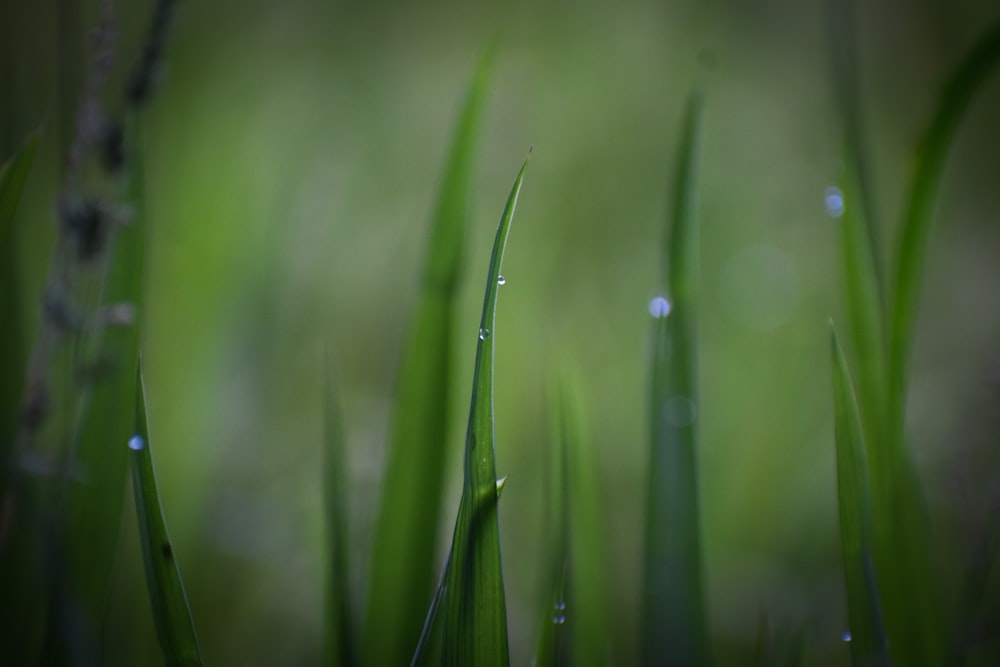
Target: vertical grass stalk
673	607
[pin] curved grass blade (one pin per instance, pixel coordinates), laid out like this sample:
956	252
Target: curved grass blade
406	533
340	635
673	609
868	639
171	614
963	85
13	354
911	596
469	624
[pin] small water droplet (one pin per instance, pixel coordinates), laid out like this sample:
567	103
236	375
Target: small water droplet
136	443
560	606
484	334
846	636
501	280
558	619
833	201
659	307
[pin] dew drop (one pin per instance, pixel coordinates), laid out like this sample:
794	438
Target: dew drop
558	619
484	334
833	201
659	307
136	443
560	606
501	280
846	636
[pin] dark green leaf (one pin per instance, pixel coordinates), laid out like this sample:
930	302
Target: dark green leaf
171	614
673	608
868	640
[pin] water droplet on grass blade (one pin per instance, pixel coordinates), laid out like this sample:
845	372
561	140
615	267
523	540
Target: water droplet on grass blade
558	619
846	636
501	280
560	606
659	307
484	334
833	201
136	443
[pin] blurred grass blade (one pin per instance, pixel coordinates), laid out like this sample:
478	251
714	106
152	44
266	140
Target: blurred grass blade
841	25
764	650
339	634
406	533
171	614
673	609
911	597
472	615
868	639
21	577
553	646
13	350
93	508
965	82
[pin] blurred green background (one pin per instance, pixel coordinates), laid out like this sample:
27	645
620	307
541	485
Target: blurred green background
293	154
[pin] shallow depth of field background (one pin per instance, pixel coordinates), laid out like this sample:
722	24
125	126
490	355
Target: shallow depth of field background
293	156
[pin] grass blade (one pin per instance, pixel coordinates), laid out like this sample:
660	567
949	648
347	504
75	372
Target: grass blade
13	353
171	614
340	636
673	610
472	615
406	533
93	508
963	85
553	646
868	639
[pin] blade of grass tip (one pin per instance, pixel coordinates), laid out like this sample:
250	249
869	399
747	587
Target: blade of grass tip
867	633
93	508
13	352
339	634
673	609
171	613
472	614
406	533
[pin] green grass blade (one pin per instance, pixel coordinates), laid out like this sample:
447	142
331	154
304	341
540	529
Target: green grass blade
963	85
553	646
406	534
21	576
171	614
841	22
912	599
868	639
472	615
673	609
13	352
93	508
340	635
